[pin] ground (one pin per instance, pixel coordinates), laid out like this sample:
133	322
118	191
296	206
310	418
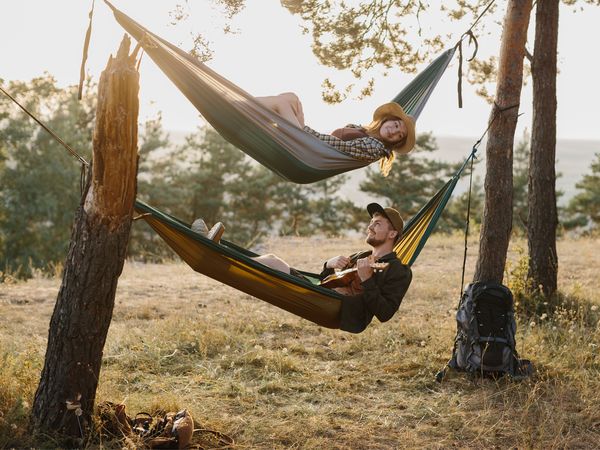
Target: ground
271	380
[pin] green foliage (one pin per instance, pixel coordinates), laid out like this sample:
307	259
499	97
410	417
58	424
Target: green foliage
252	212
315	209
531	304
203	177
520	184
40	181
293	205
144	242
356	37
584	208
413	180
455	215
332	215
362	37
192	180
209	178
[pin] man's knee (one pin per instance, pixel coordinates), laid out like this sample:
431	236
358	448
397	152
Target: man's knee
270	257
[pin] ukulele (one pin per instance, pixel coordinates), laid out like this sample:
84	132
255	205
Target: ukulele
345	277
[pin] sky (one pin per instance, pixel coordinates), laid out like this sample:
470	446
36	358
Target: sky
269	54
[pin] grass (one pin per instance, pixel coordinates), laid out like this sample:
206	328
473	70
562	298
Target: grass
271	380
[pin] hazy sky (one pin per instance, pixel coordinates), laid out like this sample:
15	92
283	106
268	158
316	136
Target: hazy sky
270	55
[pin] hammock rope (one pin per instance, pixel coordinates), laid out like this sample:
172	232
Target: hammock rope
48	129
472	39
496	113
84	164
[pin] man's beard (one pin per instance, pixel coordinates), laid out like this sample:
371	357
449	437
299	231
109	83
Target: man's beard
374	242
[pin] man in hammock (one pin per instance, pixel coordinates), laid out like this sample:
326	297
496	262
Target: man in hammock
391	131
380	280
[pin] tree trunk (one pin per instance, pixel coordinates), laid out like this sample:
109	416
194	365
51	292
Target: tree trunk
497	214
543	218
64	400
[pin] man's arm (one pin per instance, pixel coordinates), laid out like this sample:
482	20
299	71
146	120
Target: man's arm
382	300
341	263
337	262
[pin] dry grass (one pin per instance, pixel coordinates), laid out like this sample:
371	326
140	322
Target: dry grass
272	380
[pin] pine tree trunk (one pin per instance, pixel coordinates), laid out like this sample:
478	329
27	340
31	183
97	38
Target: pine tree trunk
497	215
64	399
542	217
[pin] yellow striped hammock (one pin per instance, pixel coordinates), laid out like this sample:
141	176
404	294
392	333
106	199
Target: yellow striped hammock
232	265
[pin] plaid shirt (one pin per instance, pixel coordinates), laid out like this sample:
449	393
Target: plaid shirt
364	149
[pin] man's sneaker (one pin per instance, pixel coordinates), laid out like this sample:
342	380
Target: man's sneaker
199	226
216	232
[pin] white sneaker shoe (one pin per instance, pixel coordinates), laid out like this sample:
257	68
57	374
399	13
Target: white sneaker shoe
214	234
199	226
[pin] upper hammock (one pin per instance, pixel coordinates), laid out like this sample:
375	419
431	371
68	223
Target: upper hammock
232	265
261	133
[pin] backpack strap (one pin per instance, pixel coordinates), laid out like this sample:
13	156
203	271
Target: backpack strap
493	339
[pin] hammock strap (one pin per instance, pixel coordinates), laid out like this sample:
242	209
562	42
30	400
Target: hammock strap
467	220
52	133
489	5
472	40
86	46
84	163
472	157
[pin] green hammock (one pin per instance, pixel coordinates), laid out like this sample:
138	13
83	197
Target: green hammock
232	265
264	135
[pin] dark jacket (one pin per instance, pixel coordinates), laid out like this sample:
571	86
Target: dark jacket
381	296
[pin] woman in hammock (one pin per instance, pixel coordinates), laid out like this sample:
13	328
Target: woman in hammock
391	131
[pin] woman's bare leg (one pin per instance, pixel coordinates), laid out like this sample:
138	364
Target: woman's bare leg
274	262
287	105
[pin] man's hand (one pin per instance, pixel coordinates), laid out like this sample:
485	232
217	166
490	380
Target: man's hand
337	262
364	269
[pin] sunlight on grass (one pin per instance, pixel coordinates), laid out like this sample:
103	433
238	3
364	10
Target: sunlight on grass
271	380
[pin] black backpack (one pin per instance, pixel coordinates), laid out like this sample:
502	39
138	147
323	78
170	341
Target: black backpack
486	328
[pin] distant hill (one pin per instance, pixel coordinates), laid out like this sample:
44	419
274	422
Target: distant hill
573	160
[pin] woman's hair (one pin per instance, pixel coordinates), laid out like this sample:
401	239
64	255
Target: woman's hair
385	163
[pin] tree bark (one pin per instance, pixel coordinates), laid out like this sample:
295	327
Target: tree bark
543	217
64	400
497	215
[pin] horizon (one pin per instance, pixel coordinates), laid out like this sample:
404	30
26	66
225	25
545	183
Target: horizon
571	163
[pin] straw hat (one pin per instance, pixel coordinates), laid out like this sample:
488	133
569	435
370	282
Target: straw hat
394	110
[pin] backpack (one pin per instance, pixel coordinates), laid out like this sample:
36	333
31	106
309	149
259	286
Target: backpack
486	329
